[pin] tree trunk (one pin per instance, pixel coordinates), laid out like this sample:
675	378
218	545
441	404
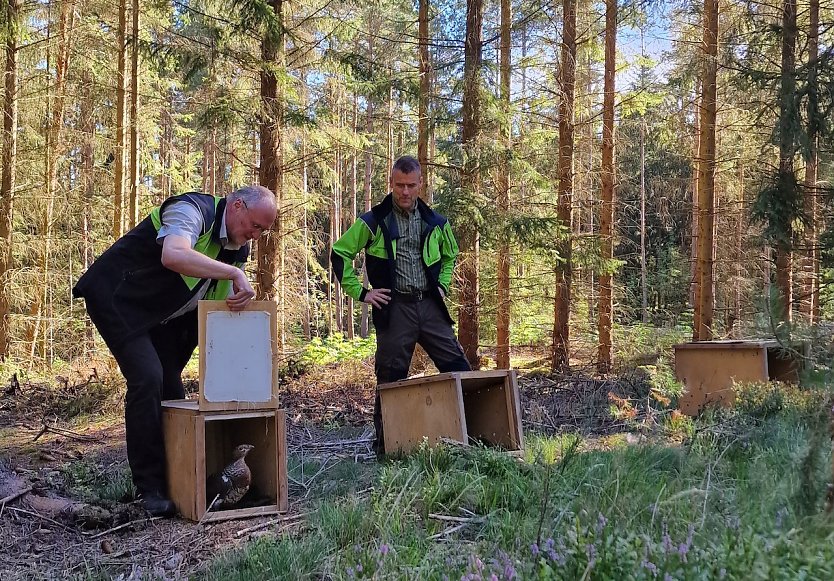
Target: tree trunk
133	215
88	128
784	258
502	357
810	290
644	286
7	168
119	165
423	97
605	354
706	176
694	286
270	255
468	317
560	359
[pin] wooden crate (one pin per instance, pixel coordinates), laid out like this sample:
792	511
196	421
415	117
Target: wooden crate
200	443
238	359
471	406
710	369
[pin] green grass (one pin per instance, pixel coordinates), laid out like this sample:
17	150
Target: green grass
741	498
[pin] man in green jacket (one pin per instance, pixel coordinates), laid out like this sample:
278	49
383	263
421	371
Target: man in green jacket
410	253
142	295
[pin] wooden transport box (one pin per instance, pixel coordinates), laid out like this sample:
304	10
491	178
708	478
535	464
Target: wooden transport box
710	369
238	368
470	406
200	443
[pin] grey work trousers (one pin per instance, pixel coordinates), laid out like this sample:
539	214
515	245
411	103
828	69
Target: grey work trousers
412	322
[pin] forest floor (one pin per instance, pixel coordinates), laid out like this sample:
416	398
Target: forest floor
64	481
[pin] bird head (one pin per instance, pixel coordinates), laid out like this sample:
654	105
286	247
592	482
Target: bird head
241	451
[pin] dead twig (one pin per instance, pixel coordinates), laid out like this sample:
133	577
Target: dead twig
123	526
463	519
448	531
42	517
269	523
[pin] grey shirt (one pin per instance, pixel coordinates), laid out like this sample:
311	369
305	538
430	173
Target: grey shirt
186	220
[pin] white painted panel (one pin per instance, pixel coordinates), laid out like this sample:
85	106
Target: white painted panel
238	359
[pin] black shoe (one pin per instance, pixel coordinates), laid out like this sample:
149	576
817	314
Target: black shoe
157	504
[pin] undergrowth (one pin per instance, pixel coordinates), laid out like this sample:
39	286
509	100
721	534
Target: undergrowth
740	498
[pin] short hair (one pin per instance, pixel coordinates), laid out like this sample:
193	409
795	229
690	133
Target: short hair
407	164
252	195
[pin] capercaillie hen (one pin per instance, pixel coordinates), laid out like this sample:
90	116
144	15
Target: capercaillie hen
230	484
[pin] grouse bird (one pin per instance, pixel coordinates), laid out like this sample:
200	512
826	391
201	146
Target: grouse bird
230	484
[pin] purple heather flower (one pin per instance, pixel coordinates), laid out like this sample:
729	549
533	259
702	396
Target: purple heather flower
358	567
722	573
350	572
384	548
548	544
534	548
650	567
601	522
667	540
591	551
668	577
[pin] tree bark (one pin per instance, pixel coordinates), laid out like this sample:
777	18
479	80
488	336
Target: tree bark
706	176
502	357
468	317
810	290
423	97
119	165
133	212
605	355
7	168
270	255
560	359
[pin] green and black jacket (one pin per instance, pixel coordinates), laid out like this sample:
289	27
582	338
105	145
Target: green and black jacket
376	231
128	291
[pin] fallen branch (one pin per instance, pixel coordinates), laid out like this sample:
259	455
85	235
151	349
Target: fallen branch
463	519
283	519
12	497
122	526
448	531
40	516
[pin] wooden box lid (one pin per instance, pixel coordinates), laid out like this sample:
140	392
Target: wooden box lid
238	365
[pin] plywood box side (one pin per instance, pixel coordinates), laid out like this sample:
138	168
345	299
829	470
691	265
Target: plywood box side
181	460
281	472
709	376
433	410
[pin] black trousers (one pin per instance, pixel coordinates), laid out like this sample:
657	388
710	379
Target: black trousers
413	322
152	365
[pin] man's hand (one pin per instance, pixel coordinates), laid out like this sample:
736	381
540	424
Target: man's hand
442	292
378	297
242	292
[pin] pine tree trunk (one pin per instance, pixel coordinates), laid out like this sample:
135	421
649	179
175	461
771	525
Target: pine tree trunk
784	257
423	97
119	165
468	317
560	359
705	306
87	123
605	356
133	212
810	290
270	255
7	169
644	288
502	357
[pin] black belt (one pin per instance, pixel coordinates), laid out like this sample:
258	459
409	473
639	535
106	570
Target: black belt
411	297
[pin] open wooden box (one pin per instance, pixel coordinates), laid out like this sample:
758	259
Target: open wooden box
470	406
198	444
709	370
237	404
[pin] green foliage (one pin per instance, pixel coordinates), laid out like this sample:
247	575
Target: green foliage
779	206
335	348
92	482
